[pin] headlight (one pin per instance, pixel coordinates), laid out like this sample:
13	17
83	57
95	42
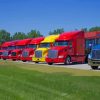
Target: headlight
61	57
31	56
89	56
20	55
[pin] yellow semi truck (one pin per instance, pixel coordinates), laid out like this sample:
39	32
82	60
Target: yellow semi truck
42	51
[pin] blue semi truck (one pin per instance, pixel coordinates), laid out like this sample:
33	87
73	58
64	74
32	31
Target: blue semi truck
94	57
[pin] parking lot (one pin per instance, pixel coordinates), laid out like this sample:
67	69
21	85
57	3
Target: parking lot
74	66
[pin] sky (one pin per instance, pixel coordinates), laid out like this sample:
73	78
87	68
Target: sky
47	15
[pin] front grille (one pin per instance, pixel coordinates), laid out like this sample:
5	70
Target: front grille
52	53
25	54
0	53
96	54
13	53
96	62
38	53
5	54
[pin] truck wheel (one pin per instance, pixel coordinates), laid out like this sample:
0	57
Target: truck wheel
67	60
50	63
36	62
24	60
14	59
94	67
4	59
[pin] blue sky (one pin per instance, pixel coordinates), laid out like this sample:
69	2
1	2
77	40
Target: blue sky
47	15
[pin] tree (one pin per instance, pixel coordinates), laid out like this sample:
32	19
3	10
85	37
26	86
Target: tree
97	28
4	36
19	36
57	31
84	29
34	33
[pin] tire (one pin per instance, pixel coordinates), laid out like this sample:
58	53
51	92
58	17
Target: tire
94	67
13	59
50	63
24	60
67	60
4	59
36	62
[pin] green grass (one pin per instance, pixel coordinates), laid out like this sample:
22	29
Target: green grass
37	82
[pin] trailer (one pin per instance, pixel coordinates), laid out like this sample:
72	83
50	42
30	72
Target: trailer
28	53
68	48
44	46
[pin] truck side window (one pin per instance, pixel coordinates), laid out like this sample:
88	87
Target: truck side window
70	43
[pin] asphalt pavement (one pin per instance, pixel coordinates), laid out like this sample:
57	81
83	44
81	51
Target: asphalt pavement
75	66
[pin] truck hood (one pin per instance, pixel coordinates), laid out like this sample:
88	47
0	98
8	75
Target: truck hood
16	50
29	49
9	51
2	50
43	49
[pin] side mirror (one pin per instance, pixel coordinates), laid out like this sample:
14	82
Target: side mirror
70	44
89	56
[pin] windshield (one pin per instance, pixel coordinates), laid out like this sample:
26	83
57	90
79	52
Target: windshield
32	46
44	45
20	47
4	48
61	43
11	47
0	53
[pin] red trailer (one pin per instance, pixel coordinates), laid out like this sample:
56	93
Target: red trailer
20	45
29	51
7	53
68	48
4	47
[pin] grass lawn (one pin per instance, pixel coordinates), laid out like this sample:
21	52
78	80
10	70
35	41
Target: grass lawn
20	81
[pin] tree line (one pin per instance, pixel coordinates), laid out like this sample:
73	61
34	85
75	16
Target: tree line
6	36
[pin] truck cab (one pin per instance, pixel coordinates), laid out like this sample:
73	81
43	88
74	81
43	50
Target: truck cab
7	53
31	47
68	48
44	46
4	47
91	39
20	46
94	57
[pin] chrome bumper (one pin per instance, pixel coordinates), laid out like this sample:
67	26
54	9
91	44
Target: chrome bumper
93	62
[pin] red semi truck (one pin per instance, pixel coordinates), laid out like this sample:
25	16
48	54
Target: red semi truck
68	48
20	45
4	47
29	51
7	53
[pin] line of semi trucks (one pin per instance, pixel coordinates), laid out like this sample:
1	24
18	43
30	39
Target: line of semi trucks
67	48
